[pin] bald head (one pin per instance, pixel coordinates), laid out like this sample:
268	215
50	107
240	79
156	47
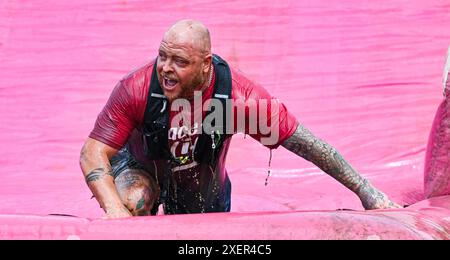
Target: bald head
190	33
184	62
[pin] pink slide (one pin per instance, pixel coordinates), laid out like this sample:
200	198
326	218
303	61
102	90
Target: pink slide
364	76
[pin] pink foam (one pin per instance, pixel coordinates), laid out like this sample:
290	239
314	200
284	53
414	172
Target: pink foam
365	77
427	220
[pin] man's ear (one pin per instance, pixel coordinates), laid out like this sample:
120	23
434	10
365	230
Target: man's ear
207	62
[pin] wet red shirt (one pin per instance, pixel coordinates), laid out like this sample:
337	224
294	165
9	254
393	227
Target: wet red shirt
124	112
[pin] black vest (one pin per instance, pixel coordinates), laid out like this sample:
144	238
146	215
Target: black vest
156	120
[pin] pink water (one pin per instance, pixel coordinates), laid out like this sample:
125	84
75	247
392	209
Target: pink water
363	75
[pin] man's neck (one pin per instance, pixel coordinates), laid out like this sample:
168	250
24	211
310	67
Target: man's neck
208	80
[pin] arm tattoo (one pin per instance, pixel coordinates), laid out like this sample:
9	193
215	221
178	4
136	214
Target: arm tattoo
98	174
324	156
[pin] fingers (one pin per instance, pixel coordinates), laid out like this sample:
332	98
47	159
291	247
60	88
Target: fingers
120	212
384	203
394	205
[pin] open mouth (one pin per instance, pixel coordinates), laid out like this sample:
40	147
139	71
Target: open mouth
169	84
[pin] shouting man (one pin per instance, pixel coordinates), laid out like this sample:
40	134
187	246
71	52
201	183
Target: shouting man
163	136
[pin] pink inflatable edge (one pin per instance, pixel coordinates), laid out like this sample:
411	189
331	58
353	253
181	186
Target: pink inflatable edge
428	219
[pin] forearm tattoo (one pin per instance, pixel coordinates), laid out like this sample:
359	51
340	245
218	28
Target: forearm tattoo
98	174
324	156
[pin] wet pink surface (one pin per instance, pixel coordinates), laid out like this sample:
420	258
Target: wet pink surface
365	76
423	221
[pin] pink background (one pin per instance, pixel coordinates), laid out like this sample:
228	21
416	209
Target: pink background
363	75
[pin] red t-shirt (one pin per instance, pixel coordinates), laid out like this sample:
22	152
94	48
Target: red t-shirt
124	112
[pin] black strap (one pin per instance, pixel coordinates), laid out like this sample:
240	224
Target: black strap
156	121
209	144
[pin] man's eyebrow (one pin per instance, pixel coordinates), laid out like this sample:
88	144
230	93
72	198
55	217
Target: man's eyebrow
176	56
179	57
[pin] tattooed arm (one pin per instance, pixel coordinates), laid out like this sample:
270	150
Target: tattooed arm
94	162
324	156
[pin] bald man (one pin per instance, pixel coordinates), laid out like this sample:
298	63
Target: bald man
144	151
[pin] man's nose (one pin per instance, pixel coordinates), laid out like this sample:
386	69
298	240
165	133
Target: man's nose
167	67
